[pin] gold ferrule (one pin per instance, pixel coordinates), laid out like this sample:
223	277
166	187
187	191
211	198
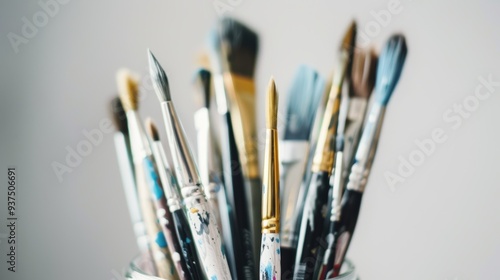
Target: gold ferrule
325	150
241	94
270	185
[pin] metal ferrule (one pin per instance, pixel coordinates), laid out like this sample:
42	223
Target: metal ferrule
173	200
337	187
205	147
184	164
220	94
366	149
139	141
271	199
325	149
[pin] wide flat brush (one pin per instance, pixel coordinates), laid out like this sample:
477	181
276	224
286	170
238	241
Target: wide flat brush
240	237
270	253
362	81
237	51
146	177
317	194
303	101
200	217
389	69
179	236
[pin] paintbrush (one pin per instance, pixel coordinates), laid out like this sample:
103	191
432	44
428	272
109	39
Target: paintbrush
201	221
361	85
179	237
239	236
270	253
303	101
145	175
207	162
317	194
126	165
389	69
238	52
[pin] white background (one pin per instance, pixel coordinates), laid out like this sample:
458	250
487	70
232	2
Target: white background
440	223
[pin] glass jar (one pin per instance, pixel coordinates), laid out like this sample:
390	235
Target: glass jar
141	269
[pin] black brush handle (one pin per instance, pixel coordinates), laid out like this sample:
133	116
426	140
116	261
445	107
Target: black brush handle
287	262
237	199
187	246
311	228
351	204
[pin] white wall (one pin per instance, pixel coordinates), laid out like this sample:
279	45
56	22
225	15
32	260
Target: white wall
440	223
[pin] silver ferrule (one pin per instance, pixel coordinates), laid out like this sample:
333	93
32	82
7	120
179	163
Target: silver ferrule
336	181
184	164
202	125
365	153
173	200
139	142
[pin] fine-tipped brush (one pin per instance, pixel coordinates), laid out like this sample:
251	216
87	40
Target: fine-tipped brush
208	164
200	217
146	177
237	51
389	69
317	194
180	237
239	237
362	80
270	262
303	101
126	165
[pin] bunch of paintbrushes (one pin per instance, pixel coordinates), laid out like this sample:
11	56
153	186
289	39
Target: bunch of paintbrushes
212	217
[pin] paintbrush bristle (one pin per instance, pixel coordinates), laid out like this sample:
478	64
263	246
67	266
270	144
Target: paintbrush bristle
349	40
152	130
128	89
389	68
303	101
363	72
159	78
238	45
119	116
202	79
272	105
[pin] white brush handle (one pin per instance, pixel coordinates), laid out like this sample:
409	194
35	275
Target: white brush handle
270	257
294	155
206	234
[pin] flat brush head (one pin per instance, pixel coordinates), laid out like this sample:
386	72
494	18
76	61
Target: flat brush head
152	130
202	78
363	72
128	89
159	78
119	116
239	45
272	106
303	101
389	68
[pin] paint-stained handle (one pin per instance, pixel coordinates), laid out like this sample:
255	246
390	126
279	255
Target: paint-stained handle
205	233
270	257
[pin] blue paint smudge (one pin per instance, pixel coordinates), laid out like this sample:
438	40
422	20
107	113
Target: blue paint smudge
160	240
278	251
188	240
214	277
153	178
277	240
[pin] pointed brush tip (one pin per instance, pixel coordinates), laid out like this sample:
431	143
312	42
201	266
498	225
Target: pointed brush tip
159	78
272	105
